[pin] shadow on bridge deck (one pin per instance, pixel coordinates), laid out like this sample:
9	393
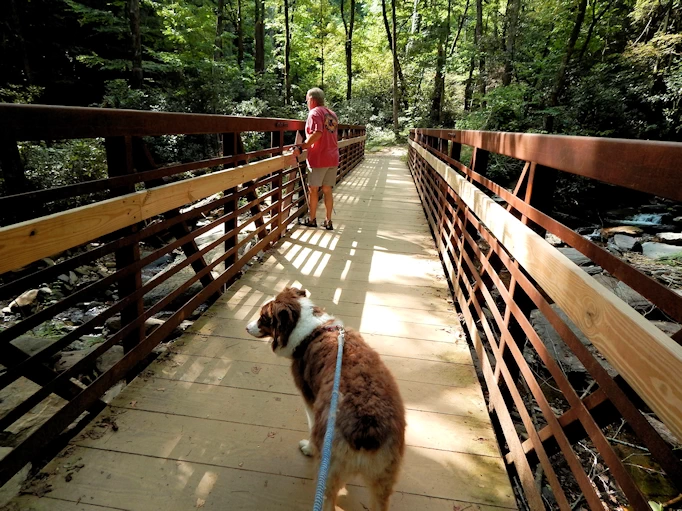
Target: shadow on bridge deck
215	423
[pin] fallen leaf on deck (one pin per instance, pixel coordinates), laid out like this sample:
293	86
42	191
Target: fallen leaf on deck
200	503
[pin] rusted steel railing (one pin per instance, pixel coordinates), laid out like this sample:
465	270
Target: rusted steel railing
501	269
150	211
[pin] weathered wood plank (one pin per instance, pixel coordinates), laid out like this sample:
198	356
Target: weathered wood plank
180	485
213	346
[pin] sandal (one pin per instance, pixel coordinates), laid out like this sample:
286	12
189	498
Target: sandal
328	225
310	223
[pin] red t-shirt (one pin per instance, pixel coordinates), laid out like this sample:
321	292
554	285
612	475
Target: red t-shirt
324	152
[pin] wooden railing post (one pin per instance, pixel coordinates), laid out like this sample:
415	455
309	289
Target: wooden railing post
119	152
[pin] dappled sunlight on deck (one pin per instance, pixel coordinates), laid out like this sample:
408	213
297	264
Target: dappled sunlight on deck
215	422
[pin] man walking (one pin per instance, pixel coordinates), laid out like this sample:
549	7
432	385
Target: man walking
323	154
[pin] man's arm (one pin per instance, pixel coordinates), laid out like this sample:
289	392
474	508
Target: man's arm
312	138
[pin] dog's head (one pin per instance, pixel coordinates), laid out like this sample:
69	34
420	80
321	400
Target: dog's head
290	312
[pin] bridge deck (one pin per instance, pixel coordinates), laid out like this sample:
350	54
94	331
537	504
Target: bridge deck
216	423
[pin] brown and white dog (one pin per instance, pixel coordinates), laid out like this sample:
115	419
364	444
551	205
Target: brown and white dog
370	423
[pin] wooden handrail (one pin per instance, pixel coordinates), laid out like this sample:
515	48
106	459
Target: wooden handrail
619	332
29	241
44	122
597	158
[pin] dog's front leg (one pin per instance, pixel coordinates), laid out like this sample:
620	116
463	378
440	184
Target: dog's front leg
306	446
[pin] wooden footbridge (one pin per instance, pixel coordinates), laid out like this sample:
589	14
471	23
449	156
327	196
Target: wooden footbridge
429	259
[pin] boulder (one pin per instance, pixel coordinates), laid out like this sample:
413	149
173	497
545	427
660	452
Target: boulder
69	359
658	250
677	220
626	243
108	359
27	298
553	240
631	230
30	344
671	238
624	292
152	324
558	349
575	256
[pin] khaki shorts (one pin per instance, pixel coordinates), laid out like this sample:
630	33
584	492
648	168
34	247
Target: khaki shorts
323	176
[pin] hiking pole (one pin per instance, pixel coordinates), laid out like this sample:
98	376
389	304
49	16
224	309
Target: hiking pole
305	192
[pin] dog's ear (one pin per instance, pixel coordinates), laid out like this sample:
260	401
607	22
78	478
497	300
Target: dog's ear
305	292
283	322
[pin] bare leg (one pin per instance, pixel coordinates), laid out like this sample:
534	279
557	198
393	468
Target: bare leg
328	200
313	201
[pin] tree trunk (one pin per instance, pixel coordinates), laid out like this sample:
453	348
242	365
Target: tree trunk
134	18
240	35
437	99
219	29
415	27
19	33
348	28
513	7
478	41
438	87
259	64
469	86
560	80
395	69
287	53
396	61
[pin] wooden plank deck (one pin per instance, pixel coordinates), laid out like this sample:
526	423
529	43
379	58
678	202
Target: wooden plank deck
215	424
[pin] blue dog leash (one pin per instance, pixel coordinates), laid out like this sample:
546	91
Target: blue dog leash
329	433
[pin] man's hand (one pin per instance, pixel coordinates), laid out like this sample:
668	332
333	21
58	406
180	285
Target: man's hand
296	151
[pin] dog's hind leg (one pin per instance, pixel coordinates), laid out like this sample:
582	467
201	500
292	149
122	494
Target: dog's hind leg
307	446
380	491
335	481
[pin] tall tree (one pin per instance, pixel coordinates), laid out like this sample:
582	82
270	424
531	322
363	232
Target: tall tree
259	32
439	80
512	21
220	28
560	79
348	29
478	38
136	40
287	54
395	68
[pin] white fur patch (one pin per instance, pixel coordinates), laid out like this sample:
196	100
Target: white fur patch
305	326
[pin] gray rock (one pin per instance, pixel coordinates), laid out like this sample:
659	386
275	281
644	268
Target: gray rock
152	324
558	349
624	292
31	345
667	327
575	256
113	324
672	238
626	243
657	250
73	278
592	270
69	359
108	359
64	278
553	240
678	220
